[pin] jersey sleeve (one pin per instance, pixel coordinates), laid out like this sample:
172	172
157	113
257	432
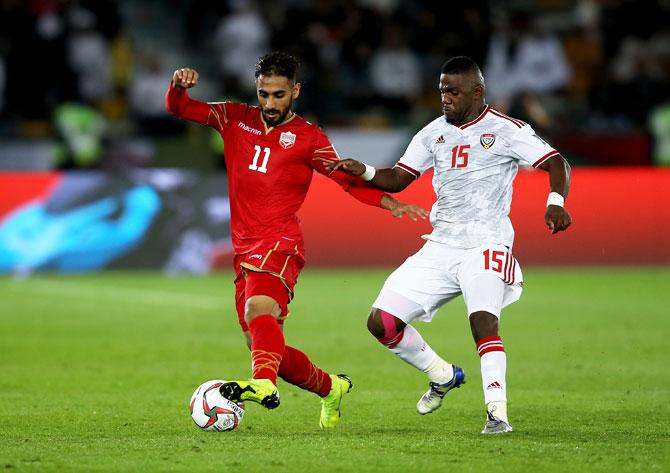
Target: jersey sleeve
324	152
417	158
529	148
179	104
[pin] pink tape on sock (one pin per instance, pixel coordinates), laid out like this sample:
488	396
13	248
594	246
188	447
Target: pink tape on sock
391	335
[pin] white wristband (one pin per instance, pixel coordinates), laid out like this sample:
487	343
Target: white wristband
555	199
369	173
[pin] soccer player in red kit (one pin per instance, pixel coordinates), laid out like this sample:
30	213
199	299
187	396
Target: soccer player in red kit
270	155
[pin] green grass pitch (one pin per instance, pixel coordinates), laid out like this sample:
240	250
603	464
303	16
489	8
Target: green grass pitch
96	373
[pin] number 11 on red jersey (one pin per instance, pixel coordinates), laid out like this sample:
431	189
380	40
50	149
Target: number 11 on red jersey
254	164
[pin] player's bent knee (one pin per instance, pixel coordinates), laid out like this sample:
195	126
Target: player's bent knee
375	326
385	327
260	305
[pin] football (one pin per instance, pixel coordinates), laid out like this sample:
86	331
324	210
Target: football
213	412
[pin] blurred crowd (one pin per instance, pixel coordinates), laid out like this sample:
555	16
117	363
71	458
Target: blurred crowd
84	70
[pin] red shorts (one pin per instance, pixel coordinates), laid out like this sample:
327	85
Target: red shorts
271	271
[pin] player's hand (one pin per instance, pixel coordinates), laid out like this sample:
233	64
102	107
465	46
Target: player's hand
412	211
348	166
557	218
185	78
398	209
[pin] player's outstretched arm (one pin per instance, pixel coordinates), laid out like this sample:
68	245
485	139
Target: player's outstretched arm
556	217
366	193
179	104
389	180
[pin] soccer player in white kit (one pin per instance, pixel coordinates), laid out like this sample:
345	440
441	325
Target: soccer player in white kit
475	152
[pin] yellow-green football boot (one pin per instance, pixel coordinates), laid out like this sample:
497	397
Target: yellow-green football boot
261	391
331	404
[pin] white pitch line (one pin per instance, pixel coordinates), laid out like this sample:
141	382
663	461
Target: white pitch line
117	293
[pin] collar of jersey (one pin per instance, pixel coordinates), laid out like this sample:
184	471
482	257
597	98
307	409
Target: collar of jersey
269	129
481	115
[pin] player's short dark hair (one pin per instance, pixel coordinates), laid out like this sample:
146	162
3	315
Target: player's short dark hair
278	63
459	65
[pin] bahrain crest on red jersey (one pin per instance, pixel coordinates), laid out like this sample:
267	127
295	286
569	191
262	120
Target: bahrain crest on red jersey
287	139
487	140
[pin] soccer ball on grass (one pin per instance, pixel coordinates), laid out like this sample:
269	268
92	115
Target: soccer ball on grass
213	412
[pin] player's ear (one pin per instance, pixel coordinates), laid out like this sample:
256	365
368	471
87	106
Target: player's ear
479	91
295	91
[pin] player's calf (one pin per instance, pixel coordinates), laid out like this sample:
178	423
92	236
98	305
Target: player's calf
408	344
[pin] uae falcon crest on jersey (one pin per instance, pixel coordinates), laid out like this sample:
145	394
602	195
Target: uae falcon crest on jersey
487	140
287	139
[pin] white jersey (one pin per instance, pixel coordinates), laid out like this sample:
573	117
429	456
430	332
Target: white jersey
474	166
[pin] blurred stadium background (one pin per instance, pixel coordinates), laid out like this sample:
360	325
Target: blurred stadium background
82	119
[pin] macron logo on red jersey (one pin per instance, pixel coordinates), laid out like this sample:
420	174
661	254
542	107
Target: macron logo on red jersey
249	129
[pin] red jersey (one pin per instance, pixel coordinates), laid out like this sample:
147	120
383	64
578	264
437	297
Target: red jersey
269	169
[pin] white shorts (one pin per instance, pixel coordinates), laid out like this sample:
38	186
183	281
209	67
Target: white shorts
489	278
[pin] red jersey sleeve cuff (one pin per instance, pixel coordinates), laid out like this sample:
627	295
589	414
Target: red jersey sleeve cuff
174	99
367	195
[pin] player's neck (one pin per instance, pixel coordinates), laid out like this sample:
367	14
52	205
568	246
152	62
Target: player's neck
474	113
289	116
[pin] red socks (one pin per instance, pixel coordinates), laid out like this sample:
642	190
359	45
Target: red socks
297	369
270	356
267	347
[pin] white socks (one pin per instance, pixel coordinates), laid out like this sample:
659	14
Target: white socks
494	365
498	409
439	371
414	350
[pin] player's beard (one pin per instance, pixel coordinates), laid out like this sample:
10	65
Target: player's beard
279	118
